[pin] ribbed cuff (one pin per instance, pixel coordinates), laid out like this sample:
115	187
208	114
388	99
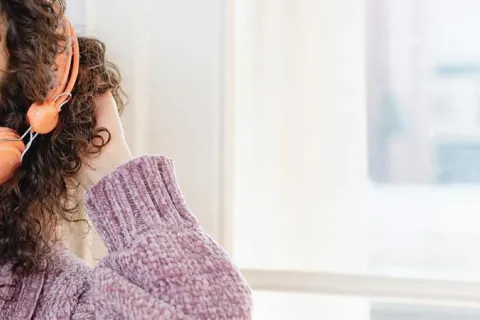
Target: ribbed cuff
139	196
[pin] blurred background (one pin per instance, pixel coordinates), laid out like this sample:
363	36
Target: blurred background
332	147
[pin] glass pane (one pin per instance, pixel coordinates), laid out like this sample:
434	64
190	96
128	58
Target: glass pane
424	91
327	181
287	306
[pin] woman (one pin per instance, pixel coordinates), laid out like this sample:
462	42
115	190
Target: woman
161	265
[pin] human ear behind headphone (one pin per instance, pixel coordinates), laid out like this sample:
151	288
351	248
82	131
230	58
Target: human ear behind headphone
42	116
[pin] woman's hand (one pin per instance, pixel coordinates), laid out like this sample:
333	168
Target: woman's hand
115	153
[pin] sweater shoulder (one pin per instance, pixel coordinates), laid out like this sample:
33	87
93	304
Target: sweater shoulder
65	281
65	266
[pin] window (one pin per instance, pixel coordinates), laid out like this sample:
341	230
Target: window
355	159
424	86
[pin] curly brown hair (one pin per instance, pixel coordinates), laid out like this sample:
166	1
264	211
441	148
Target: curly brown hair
38	196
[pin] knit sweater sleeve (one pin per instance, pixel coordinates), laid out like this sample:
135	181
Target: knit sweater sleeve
161	264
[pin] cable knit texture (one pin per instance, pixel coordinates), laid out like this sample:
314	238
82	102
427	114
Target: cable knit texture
161	264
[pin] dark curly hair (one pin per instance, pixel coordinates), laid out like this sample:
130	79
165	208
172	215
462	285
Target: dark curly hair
39	195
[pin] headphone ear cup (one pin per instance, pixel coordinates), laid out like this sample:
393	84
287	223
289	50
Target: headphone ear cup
10	154
43	117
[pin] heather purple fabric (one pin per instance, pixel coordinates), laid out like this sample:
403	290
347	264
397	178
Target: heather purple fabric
161	264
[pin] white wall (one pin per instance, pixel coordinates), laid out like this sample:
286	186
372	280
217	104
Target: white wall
171	55
77	14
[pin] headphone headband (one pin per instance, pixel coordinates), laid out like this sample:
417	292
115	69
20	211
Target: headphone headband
43	116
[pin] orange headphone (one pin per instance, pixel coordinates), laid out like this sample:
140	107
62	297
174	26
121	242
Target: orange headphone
42	116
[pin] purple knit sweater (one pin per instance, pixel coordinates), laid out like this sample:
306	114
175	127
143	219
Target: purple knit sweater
161	264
